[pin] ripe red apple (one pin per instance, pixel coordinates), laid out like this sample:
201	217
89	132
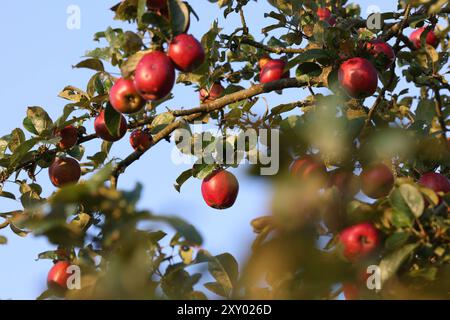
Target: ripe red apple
102	131
307	167
351	291
359	240
435	181
64	171
431	39
382	52
263	61
154	76
273	70
57	276
186	52
140	140
377	181
345	181
358	77
220	189
69	137
212	94
324	14
125	98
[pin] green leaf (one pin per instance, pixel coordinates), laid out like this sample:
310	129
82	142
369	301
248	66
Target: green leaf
224	268
91	63
179	16
202	170
3	240
161	121
28	124
413	199
77	152
22	150
112	120
39	118
182	178
396	240
3	147
188	231
16	139
8	195
390	263
401	215
307	70
52	255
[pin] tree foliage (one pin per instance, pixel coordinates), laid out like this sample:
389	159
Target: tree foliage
120	249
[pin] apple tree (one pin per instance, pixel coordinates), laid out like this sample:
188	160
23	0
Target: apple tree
361	201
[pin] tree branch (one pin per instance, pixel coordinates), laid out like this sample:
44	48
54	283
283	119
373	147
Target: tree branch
194	113
276	50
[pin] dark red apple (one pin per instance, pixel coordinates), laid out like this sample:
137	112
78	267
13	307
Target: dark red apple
382	52
307	167
263	61
57	276
359	240
358	77
69	137
154	76
186	52
64	171
102	131
435	181
220	189
350	290
125	98
431	39
212	94
156	4
345	181
324	14
377	181
273	70
140	140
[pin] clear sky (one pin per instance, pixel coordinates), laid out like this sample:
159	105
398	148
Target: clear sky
37	53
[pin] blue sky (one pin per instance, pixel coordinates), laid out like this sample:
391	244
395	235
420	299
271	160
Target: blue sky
36	58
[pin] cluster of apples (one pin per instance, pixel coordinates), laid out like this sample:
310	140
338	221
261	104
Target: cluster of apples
376	181
153	79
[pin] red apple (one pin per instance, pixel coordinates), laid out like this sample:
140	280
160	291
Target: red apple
431	39
273	70
125	98
154	76
307	167
69	137
345	181
435	181
212	94
324	14
140	140
156	4
57	276
102	131
351	291
382	52
358	77
377	181
359	240
186	52
263	61
64	171
220	189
